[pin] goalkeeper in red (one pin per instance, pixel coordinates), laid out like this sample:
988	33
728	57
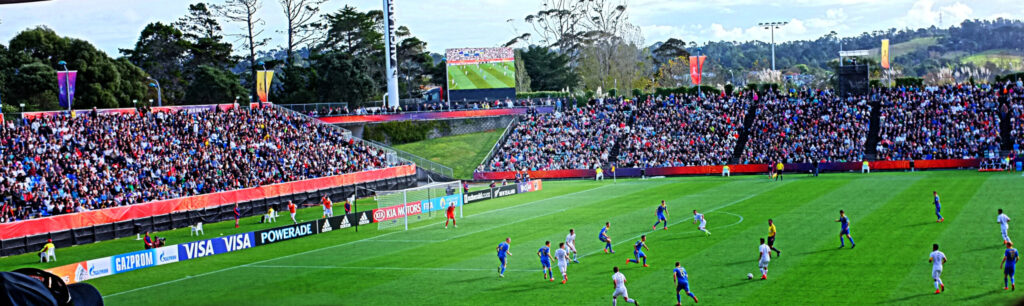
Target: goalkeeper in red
451	216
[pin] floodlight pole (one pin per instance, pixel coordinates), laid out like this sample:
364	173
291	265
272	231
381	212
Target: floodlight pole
772	26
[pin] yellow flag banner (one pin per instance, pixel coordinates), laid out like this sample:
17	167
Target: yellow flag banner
263	80
885	53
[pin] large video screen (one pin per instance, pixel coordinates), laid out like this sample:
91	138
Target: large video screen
481	73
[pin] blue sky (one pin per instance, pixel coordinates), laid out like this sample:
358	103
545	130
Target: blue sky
113	24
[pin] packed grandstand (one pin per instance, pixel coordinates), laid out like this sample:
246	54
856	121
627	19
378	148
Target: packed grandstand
61	164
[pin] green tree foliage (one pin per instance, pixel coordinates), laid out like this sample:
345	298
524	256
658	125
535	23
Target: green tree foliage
298	85
162	52
343	78
35	85
213	85
548	70
202	30
101	82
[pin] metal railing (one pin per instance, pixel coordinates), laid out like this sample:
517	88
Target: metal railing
321	108
501	140
397	155
421	162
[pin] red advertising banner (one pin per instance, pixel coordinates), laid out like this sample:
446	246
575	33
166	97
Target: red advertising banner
123	213
397	211
696	68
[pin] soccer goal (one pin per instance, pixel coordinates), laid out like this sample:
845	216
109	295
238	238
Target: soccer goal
396	209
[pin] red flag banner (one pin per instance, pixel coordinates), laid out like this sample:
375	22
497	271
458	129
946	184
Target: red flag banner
694	70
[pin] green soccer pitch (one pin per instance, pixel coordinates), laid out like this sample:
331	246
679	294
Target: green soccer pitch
482	76
892	222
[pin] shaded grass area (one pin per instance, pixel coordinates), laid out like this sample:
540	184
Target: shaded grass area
462	153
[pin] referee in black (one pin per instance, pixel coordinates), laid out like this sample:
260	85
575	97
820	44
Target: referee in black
771	237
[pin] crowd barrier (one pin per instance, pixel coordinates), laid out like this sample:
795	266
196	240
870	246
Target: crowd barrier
29	235
734	169
459	114
95	268
122	111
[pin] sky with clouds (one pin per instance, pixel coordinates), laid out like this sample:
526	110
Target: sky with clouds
113	24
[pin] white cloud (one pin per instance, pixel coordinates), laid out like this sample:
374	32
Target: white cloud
924	14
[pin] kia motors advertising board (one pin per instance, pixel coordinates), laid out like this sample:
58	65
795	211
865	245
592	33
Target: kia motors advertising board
203	248
133	261
397	211
286	232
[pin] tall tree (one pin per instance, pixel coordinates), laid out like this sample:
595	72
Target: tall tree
213	85
244	12
202	30
303	23
669	50
523	80
161	51
341	68
354	32
548	70
101	80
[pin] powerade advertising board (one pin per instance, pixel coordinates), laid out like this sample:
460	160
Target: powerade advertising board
215	246
286	232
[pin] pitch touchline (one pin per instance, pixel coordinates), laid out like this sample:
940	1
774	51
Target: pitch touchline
385	268
329	247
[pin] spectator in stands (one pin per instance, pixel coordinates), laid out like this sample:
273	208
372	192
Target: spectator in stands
946	122
806	126
60	164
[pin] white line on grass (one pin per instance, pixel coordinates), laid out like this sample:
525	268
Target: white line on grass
677	222
390	268
332	246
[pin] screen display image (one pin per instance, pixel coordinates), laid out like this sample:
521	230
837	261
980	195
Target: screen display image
481	68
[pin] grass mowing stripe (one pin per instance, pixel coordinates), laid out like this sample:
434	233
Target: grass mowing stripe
323	248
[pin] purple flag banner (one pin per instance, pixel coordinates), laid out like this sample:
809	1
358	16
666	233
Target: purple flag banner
66	86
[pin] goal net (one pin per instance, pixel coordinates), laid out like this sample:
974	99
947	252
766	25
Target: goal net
396	209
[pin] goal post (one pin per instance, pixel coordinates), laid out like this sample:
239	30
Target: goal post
396	209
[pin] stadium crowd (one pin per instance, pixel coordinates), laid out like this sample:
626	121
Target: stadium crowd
953	121
577	138
61	164
476	54
1015	110
808	126
675	132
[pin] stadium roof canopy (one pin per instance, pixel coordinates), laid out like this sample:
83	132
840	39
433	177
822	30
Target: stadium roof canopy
18	1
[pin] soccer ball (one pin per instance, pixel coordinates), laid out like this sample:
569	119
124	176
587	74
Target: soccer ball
750	275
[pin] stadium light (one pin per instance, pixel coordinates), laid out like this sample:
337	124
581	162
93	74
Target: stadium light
67	82
772	26
156	84
22	107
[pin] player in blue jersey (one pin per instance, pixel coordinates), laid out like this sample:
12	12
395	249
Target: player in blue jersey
662	212
844	230
603	236
1009	264
638	253
938	207
503	253
545	261
682	284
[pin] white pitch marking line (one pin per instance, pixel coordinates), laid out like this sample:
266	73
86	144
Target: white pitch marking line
389	268
330	247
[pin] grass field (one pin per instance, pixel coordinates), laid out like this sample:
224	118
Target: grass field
1004	59
891	217
461	152
482	76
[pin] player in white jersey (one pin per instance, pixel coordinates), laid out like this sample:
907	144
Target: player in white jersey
699	218
764	258
620	288
1004	225
937	258
570	244
563	260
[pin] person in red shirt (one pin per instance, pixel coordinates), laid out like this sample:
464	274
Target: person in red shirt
328	210
451	216
291	210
